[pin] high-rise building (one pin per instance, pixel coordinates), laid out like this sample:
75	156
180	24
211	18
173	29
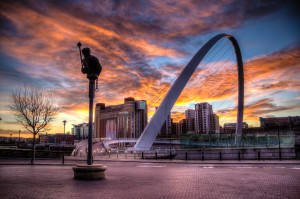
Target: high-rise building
167	126
174	126
203	112
214	124
126	120
181	127
190	120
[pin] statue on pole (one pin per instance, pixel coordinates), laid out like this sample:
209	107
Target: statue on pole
90	64
92	68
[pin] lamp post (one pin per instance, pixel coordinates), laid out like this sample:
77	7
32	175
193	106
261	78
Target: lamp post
64	126
90	65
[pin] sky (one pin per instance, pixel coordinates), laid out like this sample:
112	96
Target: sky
143	46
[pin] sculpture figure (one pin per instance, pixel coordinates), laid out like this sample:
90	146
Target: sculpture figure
90	64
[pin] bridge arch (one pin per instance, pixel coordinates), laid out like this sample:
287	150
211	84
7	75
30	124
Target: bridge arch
150	133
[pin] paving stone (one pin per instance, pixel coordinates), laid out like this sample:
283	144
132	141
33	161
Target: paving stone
152	180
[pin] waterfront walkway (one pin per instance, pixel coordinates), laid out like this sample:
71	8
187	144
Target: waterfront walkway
152	179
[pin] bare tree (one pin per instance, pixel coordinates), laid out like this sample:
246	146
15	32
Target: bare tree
34	108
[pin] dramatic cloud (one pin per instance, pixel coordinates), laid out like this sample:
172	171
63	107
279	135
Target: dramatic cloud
142	46
253	111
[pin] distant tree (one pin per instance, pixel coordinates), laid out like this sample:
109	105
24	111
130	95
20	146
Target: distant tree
34	108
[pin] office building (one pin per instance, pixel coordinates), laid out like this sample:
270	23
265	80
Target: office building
126	120
166	129
181	127
203	112
190	120
81	131
214	124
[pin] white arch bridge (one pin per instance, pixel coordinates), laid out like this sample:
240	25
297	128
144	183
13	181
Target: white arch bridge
150	133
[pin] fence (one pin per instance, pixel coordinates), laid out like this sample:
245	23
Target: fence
200	141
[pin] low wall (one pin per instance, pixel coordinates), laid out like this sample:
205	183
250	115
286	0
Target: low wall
238	154
28	153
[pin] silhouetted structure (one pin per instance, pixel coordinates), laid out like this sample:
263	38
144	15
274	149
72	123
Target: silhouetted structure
90	66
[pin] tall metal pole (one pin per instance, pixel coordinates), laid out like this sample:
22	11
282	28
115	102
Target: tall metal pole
64	126
91	96
90	66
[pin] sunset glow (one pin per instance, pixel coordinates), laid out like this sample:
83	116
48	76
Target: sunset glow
142	46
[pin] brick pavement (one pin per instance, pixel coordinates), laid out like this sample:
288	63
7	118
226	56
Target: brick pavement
152	180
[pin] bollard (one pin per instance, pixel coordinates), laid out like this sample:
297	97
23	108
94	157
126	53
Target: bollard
258	152
202	156
109	154
220	156
170	155
239	156
155	155
280	155
143	155
186	156
63	158
117	154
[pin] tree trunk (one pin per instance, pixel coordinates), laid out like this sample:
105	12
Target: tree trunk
33	149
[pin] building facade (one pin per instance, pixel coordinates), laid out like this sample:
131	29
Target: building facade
166	129
203	112
64	139
190	120
279	122
214	124
231	127
126	120
81	131
181	127
47	138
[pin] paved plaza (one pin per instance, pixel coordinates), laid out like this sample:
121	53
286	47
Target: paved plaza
153	180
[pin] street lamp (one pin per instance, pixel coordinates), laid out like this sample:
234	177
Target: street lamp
64	126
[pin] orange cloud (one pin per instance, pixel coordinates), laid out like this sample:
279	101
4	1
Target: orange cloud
42	37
